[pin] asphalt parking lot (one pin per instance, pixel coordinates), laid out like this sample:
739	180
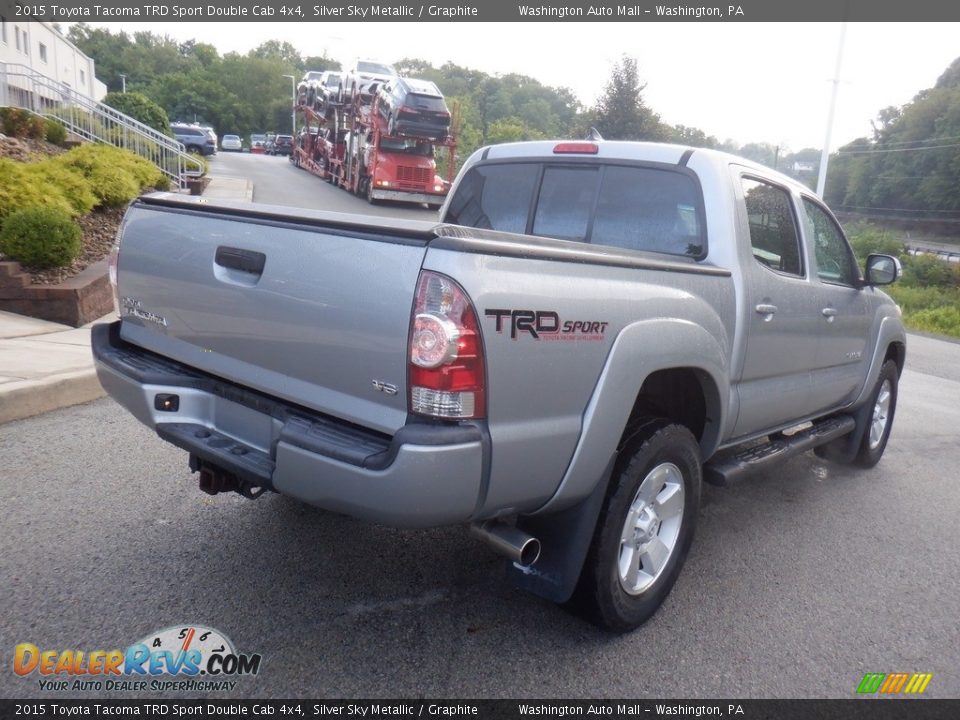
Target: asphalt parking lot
799	581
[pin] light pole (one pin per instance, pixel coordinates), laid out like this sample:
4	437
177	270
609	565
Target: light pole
293	99
825	153
123	80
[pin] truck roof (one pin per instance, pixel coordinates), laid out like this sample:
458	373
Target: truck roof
626	150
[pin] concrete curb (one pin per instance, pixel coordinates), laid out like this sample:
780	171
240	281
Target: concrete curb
32	397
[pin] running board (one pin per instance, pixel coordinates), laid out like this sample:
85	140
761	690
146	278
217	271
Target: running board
758	457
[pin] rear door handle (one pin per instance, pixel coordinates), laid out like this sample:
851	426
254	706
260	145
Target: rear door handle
829	313
765	309
248	261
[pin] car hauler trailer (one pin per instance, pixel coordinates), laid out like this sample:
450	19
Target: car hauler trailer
348	145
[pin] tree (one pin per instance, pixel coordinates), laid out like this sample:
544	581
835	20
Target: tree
621	113
141	108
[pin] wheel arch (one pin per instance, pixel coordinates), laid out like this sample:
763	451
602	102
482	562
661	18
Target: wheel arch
649	362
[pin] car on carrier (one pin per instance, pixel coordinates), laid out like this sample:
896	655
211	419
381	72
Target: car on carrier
414	107
362	74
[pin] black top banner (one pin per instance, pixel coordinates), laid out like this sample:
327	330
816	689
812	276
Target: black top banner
484	11
866	709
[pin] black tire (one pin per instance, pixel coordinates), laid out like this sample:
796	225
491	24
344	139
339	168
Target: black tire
660	452
391	126
368	191
879	418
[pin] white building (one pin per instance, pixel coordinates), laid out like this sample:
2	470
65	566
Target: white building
39	48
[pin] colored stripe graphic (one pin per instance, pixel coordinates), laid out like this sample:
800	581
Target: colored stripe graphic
871	683
918	683
893	683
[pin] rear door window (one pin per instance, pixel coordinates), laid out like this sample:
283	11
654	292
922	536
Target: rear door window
773	228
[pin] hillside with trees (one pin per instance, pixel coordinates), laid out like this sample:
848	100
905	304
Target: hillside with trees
910	167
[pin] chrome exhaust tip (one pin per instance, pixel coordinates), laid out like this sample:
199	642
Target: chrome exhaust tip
516	545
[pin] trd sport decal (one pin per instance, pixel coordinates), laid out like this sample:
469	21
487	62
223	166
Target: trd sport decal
546	325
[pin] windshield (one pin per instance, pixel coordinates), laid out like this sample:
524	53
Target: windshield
410	146
313	75
258	138
333	80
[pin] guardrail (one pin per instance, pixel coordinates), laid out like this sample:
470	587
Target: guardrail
24	88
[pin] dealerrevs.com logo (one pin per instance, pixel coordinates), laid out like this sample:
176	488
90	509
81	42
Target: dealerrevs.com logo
180	658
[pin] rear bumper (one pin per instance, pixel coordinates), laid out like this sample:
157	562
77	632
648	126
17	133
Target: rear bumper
424	476
433	131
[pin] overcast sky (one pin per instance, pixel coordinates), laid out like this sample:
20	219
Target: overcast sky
752	82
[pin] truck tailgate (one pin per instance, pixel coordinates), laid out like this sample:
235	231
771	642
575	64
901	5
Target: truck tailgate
314	309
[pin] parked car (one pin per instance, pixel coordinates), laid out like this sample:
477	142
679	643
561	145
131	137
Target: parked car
414	107
363	73
195	138
281	145
232	143
258	143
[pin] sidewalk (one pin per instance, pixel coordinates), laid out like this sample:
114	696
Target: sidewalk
45	365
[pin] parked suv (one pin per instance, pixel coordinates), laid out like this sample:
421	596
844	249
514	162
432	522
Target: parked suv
195	138
414	107
281	145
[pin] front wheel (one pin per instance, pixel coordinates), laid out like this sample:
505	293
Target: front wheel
645	528
880	420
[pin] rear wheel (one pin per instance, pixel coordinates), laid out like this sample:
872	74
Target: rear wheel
645	528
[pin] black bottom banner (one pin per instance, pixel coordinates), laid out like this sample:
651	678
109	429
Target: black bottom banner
863	708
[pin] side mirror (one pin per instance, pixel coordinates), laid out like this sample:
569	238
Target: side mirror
882	270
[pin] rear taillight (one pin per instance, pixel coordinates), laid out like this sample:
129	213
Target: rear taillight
446	370
112	267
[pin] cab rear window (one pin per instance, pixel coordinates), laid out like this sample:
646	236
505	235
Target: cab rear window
625	206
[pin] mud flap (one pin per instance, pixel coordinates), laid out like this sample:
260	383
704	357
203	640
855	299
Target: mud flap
844	449
565	538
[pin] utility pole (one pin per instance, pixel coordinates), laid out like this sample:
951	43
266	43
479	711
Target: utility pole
825	153
293	106
123	81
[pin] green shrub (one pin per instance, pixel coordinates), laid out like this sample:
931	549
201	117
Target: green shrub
40	237
113	186
70	181
914	299
944	320
928	271
117	176
15	122
140	107
866	240
55	132
21	188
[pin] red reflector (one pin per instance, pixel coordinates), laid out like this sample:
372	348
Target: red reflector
576	148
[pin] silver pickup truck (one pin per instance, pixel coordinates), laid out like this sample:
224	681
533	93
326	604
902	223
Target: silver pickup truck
592	330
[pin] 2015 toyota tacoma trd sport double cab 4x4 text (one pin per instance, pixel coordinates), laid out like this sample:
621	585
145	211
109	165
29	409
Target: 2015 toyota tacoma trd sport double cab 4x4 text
592	329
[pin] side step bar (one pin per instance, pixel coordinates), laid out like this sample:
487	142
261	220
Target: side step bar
758	457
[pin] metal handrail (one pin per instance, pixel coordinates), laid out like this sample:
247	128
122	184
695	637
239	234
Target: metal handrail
24	88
